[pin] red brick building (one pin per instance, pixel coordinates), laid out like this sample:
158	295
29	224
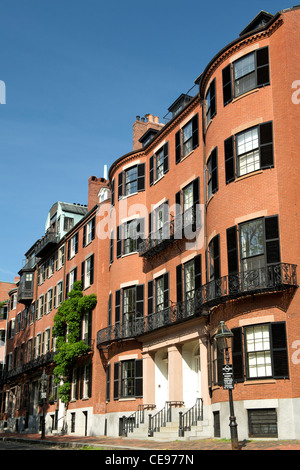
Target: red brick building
201	226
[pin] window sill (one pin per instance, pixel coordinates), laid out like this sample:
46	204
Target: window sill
250	92
127	399
253	173
129	254
187	155
259	381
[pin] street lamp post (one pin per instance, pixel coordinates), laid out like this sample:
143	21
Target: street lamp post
224	340
44	383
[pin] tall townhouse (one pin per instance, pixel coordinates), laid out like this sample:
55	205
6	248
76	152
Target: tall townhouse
207	231
7	290
197	225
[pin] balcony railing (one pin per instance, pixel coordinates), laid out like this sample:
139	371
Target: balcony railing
158	240
46	243
263	280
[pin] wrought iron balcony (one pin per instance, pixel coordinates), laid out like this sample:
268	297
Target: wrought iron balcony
46	243
157	241
264	280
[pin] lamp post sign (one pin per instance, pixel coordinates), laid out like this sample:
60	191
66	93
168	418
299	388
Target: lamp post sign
228	377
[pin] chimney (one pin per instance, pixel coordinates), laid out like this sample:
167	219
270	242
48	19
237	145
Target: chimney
95	184
141	125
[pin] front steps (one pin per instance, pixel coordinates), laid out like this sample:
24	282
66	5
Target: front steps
170	432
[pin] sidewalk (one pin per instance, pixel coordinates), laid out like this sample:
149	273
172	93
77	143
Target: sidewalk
121	443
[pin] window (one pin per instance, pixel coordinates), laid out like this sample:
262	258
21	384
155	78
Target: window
212	173
186	139
129	236
132	308
87	272
159	222
262	422
89	232
38	345
258	351
128	379
214	258
159	164
68	223
210	100
40	307
131	180
249	151
188	281
47	341
58	294
73	246
245	74
87	328
70	279
49	300
61	257
13	302
252	245
187	215
158	298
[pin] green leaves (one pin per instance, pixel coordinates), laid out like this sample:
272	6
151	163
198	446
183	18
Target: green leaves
66	330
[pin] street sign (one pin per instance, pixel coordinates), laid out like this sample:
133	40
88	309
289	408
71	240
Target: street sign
228	377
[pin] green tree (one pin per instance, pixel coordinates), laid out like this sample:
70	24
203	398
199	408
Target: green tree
66	330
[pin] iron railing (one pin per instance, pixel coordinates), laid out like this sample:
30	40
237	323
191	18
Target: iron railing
162	417
158	240
49	240
135	419
190	417
269	279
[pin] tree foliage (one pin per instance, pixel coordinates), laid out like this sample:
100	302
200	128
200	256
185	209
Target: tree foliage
66	330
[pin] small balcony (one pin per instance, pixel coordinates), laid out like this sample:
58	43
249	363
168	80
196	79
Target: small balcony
48	242
270	279
157	241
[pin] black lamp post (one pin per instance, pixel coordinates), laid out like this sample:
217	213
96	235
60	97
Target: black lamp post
224	340
44	383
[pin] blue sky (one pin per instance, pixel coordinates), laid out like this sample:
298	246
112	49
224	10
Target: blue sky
77	72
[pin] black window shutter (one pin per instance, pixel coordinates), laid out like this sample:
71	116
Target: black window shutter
111	247
141	177
93	227
75	274
90	381
112	196
120	185
84	236
116	380
151	171
198	275
227	86
76	243
262	67
214	167
150	297
118	306
237	355
108	382
229	159
166	290
266	145
67	285
213	108
279	350
166	157
178	146
140	231
272	240
220	363
139	377
150	223
92	270
195	131
178	216
139	304
179	282
232	250
119	241
217	268
109	310
82	273
69	249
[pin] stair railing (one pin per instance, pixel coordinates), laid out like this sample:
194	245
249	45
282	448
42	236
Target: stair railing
190	417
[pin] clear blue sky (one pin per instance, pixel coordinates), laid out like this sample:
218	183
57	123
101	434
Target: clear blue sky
77	72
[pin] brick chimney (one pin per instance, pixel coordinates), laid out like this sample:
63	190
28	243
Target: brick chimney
142	125
95	184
